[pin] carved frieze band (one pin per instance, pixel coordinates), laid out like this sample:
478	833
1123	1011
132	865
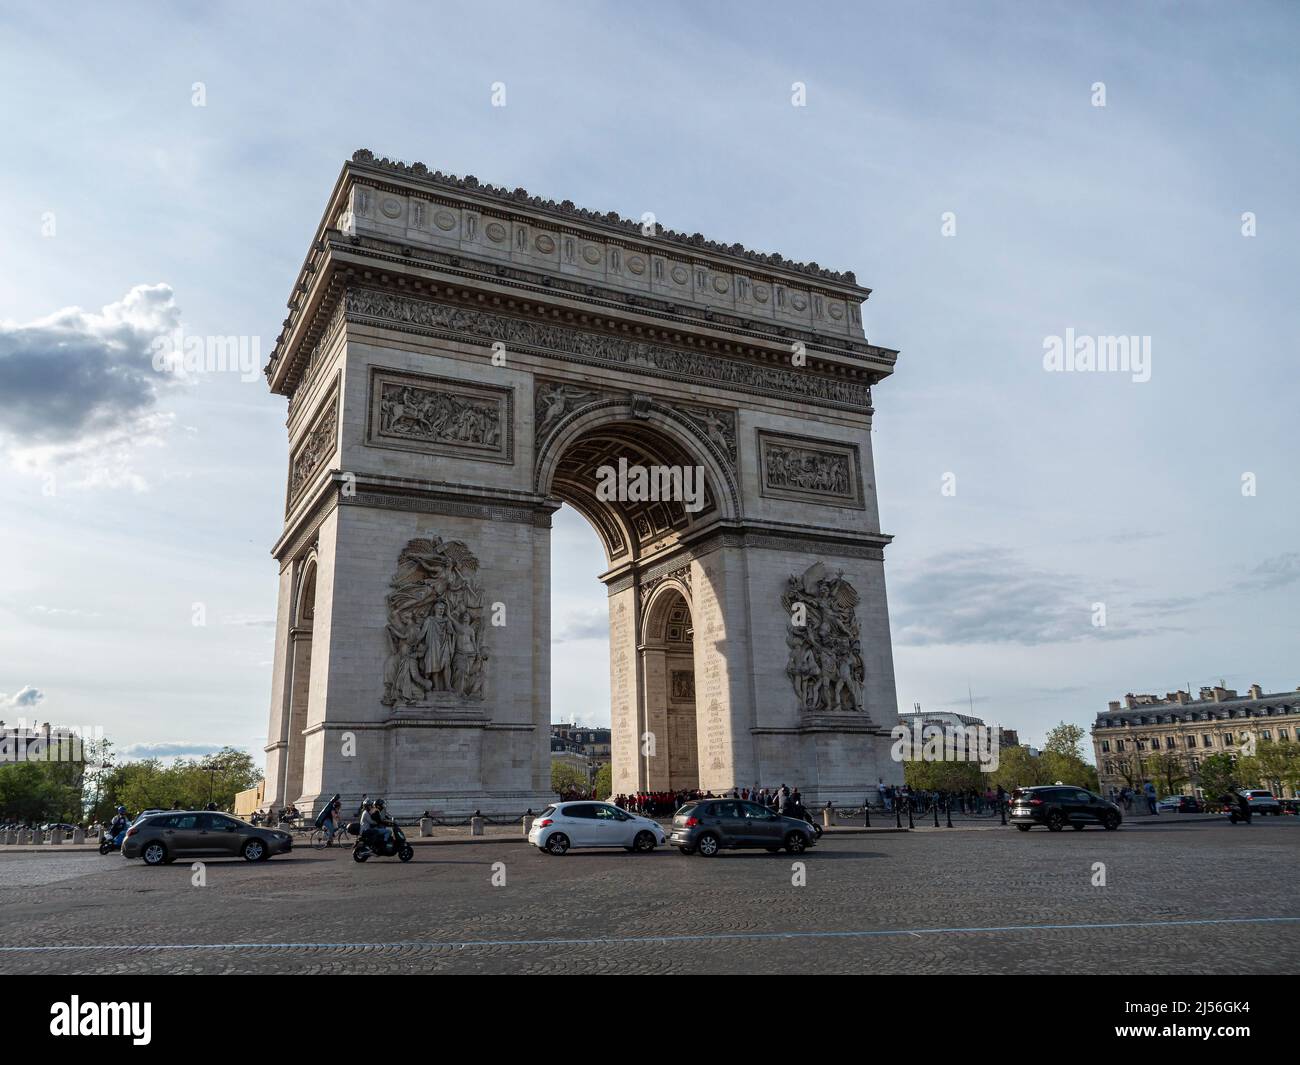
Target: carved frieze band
809	471
313	451
566	341
440	415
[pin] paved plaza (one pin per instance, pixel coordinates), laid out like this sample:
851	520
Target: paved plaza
1179	898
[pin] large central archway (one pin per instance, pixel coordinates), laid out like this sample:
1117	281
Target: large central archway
653	723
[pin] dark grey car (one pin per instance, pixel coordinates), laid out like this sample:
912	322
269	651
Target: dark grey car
706	826
165	837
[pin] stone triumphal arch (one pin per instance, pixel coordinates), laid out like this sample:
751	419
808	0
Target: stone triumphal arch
460	360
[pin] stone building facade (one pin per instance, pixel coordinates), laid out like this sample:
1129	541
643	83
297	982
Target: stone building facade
1216	721
459	361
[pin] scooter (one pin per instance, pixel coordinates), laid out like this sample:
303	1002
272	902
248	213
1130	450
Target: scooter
394	846
109	843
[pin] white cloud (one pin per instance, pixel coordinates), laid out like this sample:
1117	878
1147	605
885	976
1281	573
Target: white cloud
80	390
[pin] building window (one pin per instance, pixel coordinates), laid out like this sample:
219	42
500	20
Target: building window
1227	739
1266	734
1281	734
1105	745
1169	743
1191	741
1207	740
1119	745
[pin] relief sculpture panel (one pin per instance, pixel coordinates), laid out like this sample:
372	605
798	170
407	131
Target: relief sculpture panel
436	654
419	412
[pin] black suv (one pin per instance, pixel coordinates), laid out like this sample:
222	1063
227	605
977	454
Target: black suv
705	826
1057	806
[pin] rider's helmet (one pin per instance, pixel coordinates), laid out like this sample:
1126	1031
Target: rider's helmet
379	804
121	809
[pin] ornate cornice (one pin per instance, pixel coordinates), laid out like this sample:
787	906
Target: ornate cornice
520	197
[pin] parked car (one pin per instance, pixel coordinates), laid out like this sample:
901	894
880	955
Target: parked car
164	837
565	825
706	826
1261	802
1179	804
1057	806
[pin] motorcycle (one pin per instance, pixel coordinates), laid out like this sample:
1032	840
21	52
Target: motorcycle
109	843
394	846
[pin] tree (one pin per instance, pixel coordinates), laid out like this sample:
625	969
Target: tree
1065	739
1219	775
1273	766
567	779
920	775
1168	770
1017	768
605	780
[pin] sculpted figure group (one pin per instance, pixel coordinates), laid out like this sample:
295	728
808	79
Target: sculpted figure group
435	625
825	665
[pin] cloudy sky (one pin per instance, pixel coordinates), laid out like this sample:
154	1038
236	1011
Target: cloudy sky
1019	498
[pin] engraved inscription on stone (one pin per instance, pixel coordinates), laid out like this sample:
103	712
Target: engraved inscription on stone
417	412
436	654
809	470
825	665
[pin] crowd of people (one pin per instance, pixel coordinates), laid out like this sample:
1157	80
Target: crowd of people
783	800
970	801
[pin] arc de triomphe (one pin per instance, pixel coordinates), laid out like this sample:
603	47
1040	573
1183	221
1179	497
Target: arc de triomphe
460	360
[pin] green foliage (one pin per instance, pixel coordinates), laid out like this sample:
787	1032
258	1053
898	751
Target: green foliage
1167	771
943	776
40	791
192	782
1273	766
1065	739
605	781
1017	768
1219	775
566	778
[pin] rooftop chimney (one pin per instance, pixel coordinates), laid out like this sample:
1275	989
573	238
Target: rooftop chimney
1256	692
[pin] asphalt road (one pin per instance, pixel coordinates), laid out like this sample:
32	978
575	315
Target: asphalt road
1177	898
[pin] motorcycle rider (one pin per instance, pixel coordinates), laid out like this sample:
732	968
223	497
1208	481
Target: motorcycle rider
372	824
119	824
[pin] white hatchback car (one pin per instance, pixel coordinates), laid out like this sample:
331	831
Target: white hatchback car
593	824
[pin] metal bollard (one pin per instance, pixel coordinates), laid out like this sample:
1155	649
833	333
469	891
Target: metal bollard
936	815
528	824
1002	811
866	816
949	809
476	826
910	822
898	816
828	817
426	826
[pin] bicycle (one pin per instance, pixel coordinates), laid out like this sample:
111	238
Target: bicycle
321	838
